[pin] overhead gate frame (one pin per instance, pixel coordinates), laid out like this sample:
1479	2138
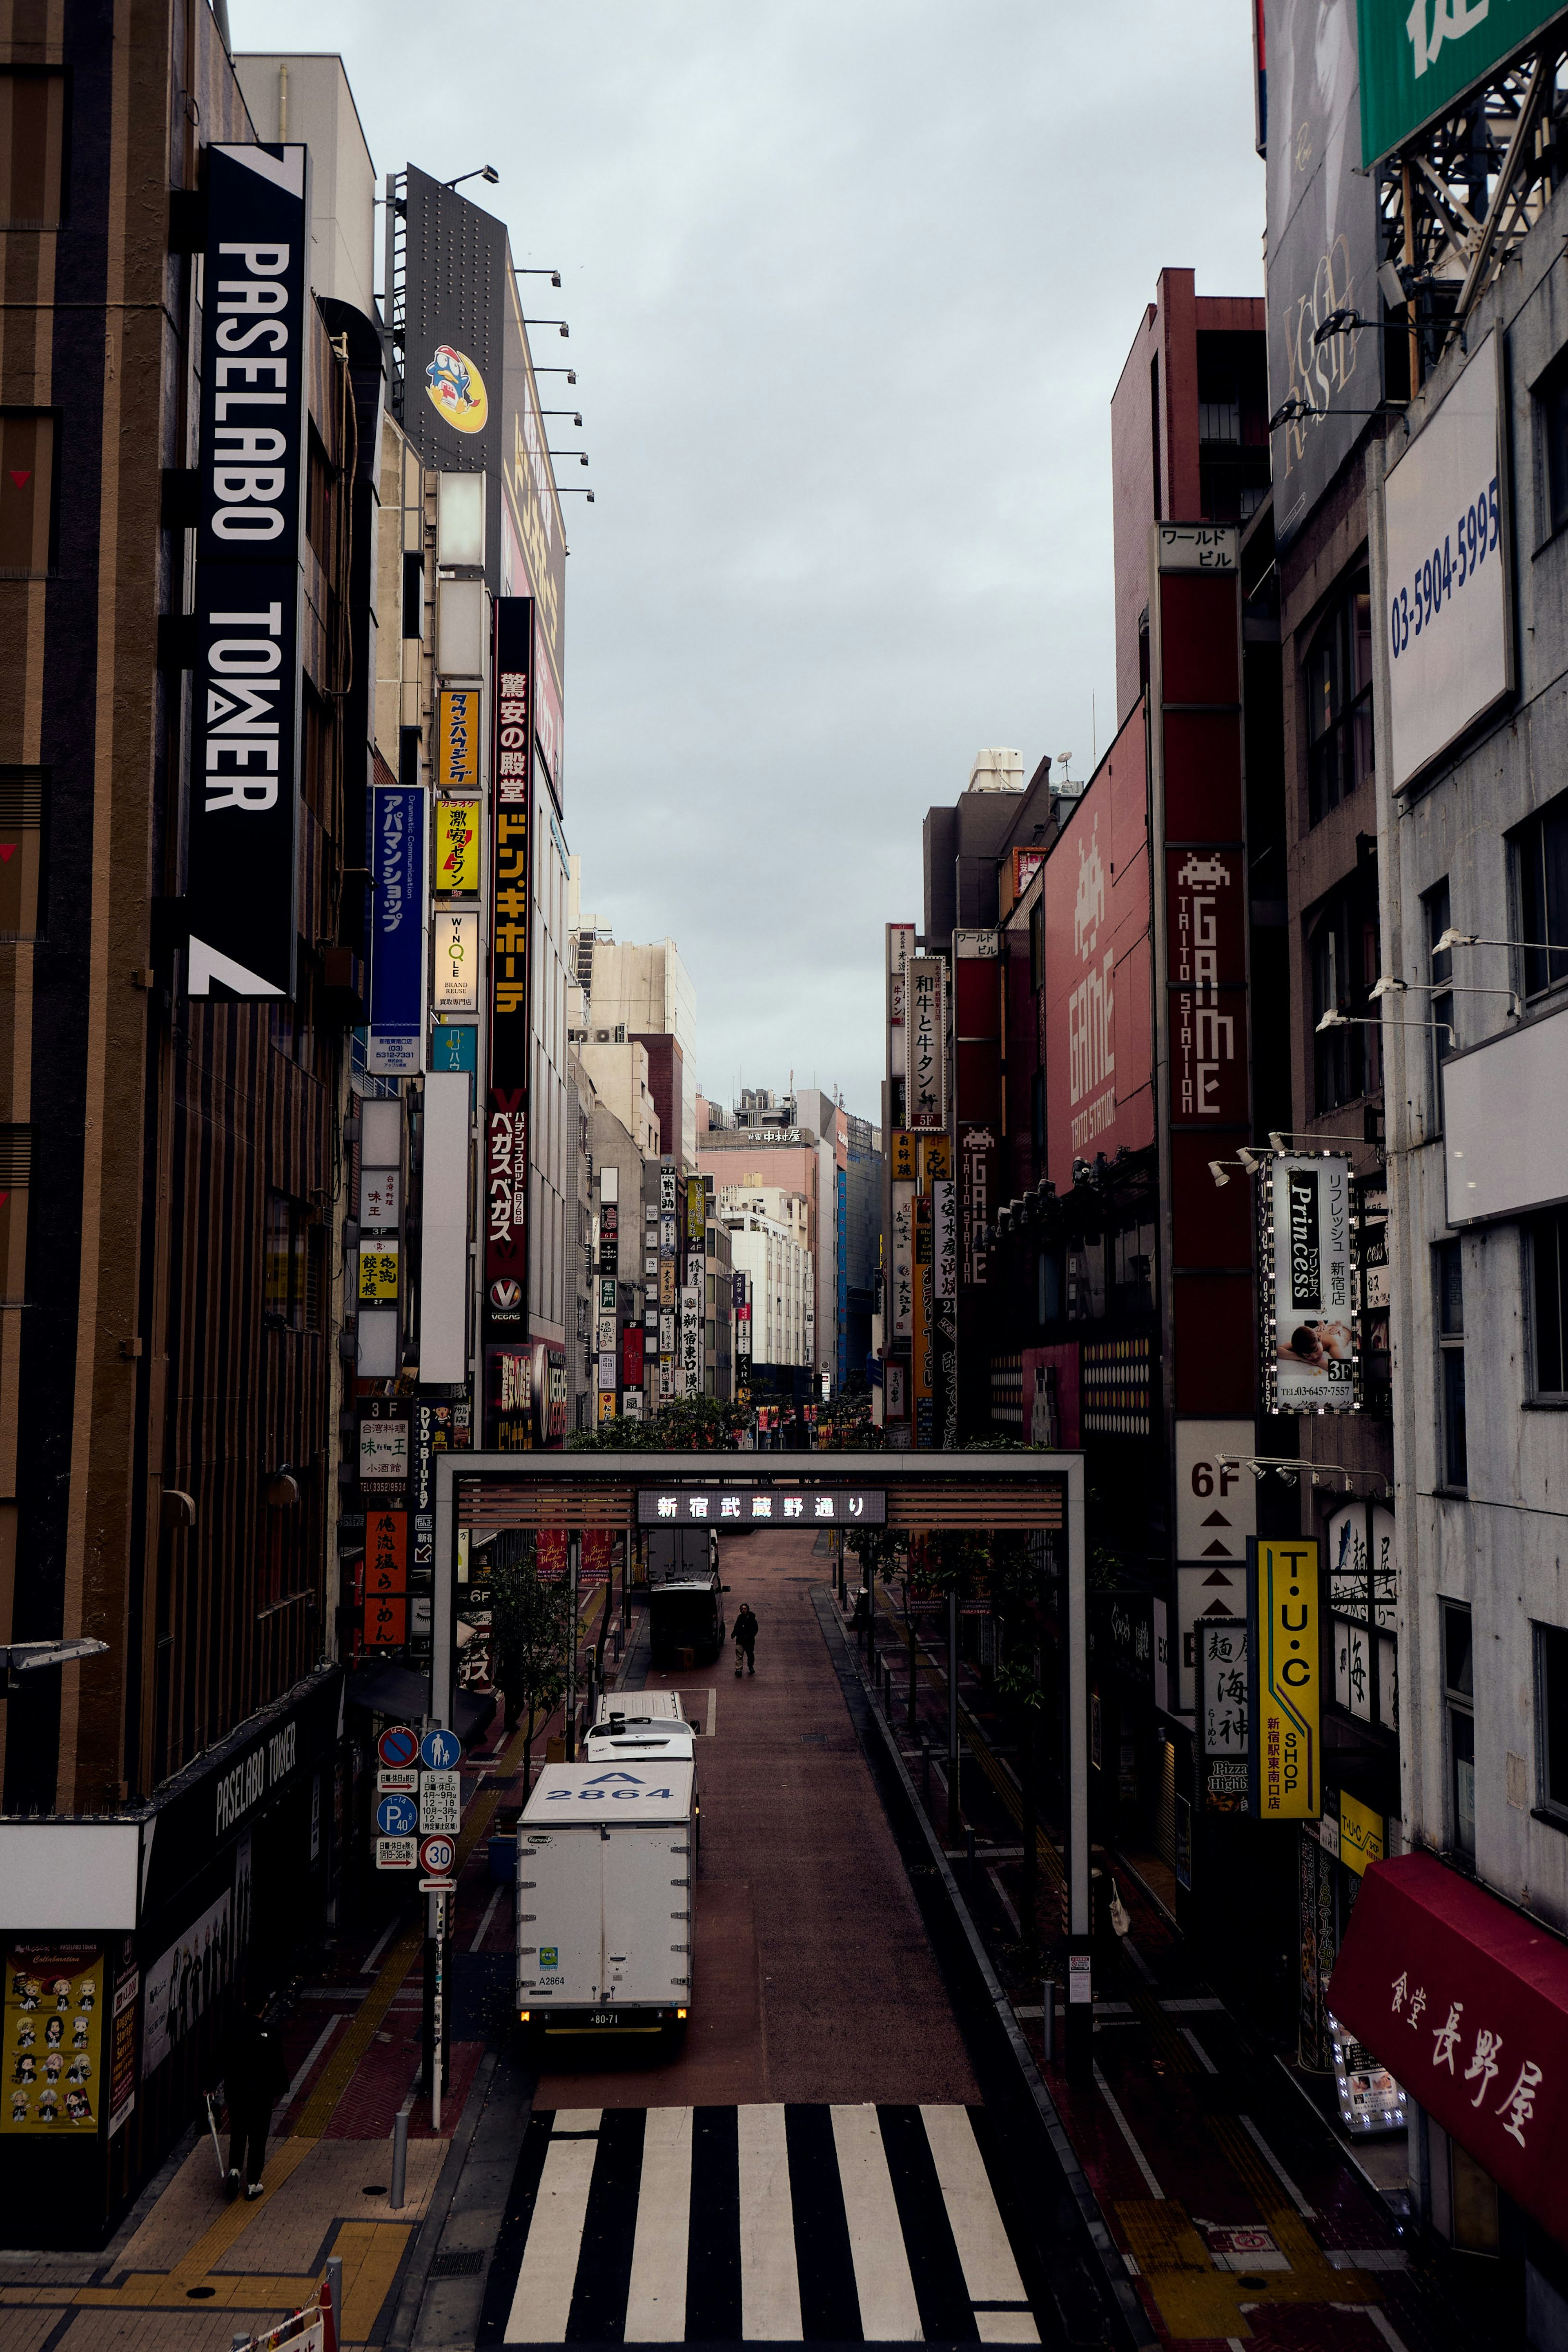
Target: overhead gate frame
924	1490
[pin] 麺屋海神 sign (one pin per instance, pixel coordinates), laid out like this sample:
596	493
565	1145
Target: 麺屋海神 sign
841	1506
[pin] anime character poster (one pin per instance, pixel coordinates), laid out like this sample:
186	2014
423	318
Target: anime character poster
52	2037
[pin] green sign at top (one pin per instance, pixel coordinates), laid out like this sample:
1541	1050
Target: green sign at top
1417	56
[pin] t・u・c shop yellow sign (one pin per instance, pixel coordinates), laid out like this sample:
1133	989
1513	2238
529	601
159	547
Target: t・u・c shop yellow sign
1285	1663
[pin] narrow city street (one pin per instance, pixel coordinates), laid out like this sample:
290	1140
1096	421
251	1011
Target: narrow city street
855	2142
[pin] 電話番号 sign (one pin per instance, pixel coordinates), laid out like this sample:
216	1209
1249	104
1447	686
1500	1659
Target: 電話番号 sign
1465	2001
743	1506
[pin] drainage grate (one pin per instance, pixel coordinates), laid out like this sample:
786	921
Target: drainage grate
456	2265
813	1740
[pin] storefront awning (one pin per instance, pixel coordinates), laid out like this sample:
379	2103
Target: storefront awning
1466	2001
398	1692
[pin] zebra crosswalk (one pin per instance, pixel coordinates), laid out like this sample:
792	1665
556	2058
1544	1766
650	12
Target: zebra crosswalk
756	2224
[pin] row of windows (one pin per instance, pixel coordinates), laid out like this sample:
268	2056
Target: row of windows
1544	1240
1550	1663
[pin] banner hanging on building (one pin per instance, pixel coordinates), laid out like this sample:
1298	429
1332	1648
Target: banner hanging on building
1284	1678
395	1039
242	867
507	1111
925	1042
1309	1340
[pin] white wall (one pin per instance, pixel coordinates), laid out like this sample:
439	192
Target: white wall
321	112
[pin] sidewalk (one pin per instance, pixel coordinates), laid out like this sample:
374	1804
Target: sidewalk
188	2270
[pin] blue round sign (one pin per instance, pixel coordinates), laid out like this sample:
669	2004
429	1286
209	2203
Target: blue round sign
397	1817
440	1750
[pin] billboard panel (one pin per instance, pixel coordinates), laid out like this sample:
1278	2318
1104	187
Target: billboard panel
1324	252
925	1042
470	403
241	875
1099	1044
1309	1336
1450	647
1417	59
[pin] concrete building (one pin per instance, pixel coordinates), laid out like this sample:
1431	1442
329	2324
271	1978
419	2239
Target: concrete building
644	993
619	1074
1472	750
766	1228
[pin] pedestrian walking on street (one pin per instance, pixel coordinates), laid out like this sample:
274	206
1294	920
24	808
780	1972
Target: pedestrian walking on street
745	1639
254	2076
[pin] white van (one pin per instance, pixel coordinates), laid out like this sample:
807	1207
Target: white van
606	1864
640	1723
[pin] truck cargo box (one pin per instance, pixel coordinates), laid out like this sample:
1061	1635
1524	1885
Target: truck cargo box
605	1867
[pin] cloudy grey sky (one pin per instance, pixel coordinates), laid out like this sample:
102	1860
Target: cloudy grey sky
850	285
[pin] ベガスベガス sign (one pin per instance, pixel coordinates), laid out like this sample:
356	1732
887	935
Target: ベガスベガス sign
244	744
746	1507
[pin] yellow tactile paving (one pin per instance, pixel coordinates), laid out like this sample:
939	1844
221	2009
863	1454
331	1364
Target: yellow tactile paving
1194	2299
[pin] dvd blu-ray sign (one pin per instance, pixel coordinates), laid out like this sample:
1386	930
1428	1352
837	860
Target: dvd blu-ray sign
241	873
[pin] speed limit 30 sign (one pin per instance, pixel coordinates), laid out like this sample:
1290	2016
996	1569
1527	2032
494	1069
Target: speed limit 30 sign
437	1856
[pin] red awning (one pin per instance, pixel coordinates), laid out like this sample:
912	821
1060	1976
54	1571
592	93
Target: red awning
1466	2001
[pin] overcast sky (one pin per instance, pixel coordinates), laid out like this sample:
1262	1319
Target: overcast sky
850	287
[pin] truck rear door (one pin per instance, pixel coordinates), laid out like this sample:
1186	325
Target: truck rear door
560	1951
648	1879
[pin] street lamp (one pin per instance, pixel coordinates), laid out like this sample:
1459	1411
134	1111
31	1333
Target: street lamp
26	1657
564	412
580	454
570	373
565	490
565	330
553	275
480	172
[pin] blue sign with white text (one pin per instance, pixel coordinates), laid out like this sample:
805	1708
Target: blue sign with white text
397	931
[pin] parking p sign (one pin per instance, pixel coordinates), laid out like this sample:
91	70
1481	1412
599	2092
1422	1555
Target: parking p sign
397	1816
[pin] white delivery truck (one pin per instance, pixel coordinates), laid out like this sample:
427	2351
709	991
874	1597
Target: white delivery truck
646	1728
606	1865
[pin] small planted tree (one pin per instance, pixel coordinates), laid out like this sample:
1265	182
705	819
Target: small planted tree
530	1625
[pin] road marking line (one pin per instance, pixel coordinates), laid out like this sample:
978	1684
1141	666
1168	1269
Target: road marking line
576	2120
1005	1899
1196	2046
316	2048
889	2312
712	1710
1270	2158
1191	2005
372	1958
1368	2258
490	1908
542	2304
769	2286
1380	2321
990	2273
1125	2128
656	2294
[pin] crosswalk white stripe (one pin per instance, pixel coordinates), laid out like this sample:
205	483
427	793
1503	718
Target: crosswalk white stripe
990	2273
769	2286
656	2296
542	2304
889	2312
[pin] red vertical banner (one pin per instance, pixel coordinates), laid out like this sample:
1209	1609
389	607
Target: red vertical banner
1200	875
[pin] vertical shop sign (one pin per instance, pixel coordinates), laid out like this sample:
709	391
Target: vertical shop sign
395	1041
456	849
977	1177
457	738
456	959
241	888
926	1044
123	2044
507	1117
1309	1338
945	1241
1285	1678
924	1380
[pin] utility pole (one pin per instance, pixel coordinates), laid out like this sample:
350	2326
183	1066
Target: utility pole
574	1578
952	1714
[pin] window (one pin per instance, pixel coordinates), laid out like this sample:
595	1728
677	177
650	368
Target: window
1343	946
1339	702
15	1171
1451	1286
1442	1035
1551	1720
1459	1689
293	1267
1546	1246
26	492
1541	848
1554	398
21	851
318	502
32	147
413	598
1036	945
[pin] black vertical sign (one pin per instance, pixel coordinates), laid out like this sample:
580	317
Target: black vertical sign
244	750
